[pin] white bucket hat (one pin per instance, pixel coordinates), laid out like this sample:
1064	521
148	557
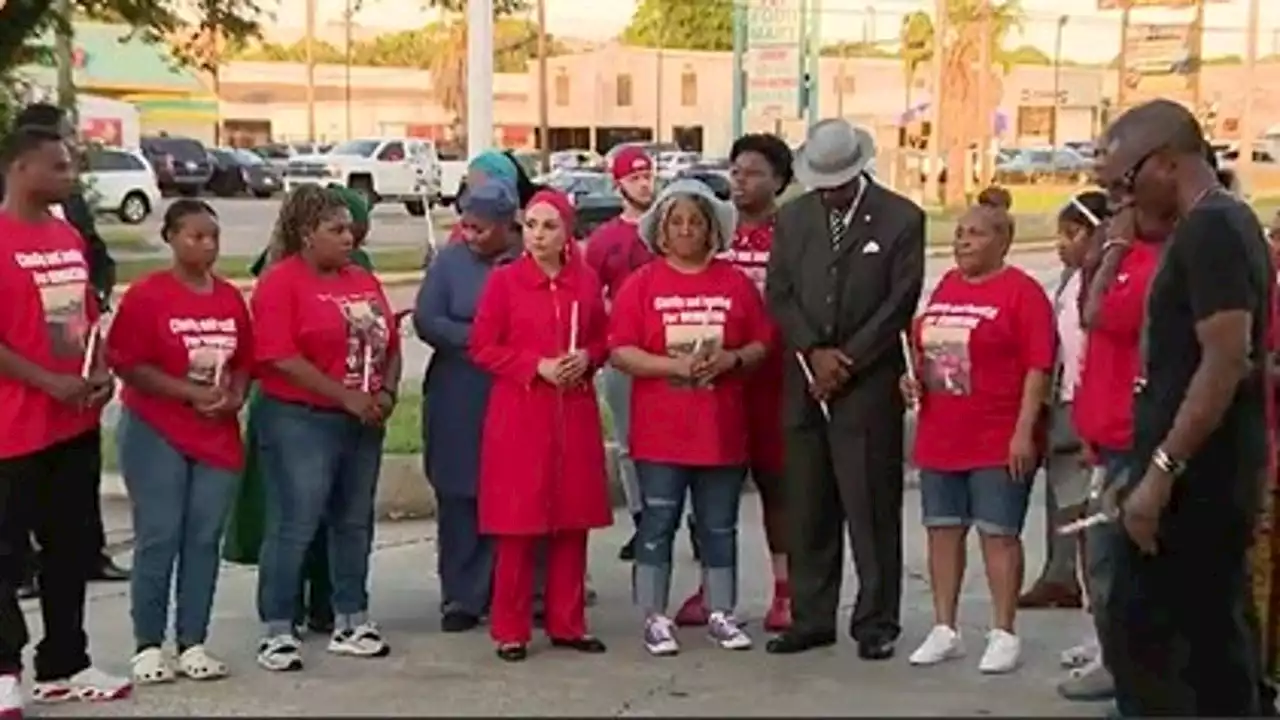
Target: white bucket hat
833	154
724	216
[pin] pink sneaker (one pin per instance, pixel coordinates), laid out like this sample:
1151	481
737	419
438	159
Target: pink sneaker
778	619
90	685
693	613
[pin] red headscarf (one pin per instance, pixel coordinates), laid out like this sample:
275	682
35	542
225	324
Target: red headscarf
561	203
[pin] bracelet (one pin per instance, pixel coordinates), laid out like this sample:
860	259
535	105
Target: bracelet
1167	464
1108	245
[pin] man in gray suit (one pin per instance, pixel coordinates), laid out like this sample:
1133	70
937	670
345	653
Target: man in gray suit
844	279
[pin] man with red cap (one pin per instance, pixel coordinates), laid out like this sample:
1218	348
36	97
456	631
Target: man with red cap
614	251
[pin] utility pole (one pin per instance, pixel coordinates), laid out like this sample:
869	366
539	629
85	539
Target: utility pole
986	111
347	14
544	120
1197	55
64	61
934	166
309	44
1244	165
739	69
1057	82
657	84
479	76
1122	60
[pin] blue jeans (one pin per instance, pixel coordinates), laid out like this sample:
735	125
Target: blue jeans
318	465
180	507
716	493
986	497
1101	542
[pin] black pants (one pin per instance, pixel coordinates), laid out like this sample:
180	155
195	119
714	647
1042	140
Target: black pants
838	478
32	567
1177	632
52	493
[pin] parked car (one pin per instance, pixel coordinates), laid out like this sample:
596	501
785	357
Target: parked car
237	172
278	155
391	169
716	179
121	183
575	160
595	199
1030	165
181	164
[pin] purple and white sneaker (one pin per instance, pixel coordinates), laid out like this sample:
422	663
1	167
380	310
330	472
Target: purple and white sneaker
659	636
725	631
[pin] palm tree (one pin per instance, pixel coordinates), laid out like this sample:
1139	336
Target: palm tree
959	102
916	37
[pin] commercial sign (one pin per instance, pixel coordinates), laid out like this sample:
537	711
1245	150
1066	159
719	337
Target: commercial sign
1160	62
1153	4
774	58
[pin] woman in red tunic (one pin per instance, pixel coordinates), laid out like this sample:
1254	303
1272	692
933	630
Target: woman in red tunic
540	330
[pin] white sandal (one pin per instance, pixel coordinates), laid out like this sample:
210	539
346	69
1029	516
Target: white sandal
151	667
196	663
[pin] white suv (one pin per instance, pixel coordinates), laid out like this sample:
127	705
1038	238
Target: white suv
399	169
121	182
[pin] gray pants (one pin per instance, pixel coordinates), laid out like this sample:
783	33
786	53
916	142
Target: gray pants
1067	486
615	387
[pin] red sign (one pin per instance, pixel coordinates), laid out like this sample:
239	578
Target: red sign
105	131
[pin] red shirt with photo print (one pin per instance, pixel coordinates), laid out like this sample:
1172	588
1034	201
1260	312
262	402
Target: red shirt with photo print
49	311
339	322
667	312
976	342
750	252
204	338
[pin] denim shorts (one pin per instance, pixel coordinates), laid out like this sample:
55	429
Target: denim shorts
986	497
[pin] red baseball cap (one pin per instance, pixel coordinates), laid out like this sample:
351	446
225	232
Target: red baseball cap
629	161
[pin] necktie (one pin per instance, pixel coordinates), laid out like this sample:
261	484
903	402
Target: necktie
837	221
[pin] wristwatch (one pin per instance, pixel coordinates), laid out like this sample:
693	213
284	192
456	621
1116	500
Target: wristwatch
1167	464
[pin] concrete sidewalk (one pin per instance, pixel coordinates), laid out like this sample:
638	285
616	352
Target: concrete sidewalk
436	674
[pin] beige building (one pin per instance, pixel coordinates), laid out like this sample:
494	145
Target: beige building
618	93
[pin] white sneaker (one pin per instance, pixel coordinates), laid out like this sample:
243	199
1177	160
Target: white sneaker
280	653
362	641
940	645
660	636
11	701
727	633
1080	655
89	684
1003	652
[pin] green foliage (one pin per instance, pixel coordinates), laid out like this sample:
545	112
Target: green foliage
501	8
682	24
916	37
857	49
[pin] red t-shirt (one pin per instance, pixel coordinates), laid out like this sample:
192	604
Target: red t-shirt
340	322
49	309
661	311
977	341
202	337
750	253
614	251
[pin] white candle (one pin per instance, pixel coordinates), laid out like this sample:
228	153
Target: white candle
217	369
908	356
809	378
366	378
90	351
703	331
573	327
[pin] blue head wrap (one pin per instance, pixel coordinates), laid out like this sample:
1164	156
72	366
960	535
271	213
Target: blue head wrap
495	200
495	165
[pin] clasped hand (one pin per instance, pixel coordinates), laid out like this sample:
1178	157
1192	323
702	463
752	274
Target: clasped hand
830	369
564	371
704	366
95	391
213	401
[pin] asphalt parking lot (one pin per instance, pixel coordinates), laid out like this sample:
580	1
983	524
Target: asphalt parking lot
247	224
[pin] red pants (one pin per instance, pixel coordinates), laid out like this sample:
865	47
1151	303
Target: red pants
565	596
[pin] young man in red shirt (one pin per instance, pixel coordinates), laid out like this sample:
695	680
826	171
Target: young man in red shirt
614	251
53	385
760	171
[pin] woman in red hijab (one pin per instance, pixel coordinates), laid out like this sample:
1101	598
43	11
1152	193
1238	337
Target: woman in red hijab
540	330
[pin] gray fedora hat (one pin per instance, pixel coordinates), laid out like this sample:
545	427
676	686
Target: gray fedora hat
834	153
724	215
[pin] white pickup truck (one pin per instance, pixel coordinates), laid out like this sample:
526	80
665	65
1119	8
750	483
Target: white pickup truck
391	169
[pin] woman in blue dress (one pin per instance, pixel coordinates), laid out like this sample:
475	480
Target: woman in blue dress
455	393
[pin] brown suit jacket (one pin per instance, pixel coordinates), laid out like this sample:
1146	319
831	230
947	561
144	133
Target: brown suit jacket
858	300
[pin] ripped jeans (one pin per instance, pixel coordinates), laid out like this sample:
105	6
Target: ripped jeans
716	493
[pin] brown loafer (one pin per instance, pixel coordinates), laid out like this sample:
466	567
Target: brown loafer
1047	595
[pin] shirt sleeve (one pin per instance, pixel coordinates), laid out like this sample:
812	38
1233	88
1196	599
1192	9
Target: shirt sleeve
1122	305
431	320
489	333
242	359
1215	261
626	321
132	337
275	318
1037	327
759	327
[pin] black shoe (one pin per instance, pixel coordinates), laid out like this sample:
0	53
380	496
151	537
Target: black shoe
791	643
457	621
106	570
628	551
320	624
876	650
513	653
28	590
584	644
539	615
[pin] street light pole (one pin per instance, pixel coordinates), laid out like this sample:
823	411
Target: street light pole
1244	165
1057	82
309	45
346	84
934	167
986	108
544	120
479	76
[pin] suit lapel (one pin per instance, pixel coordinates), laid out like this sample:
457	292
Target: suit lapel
861	223
816	233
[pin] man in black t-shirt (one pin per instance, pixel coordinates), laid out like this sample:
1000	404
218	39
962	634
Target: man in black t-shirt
1178	640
